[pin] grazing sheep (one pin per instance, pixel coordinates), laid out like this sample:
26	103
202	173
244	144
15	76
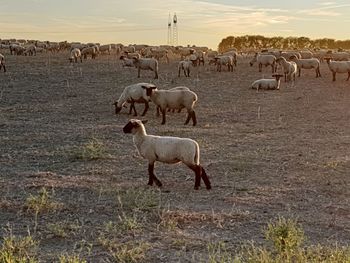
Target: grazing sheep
74	55
185	66
92	51
127	62
132	94
166	149
338	67
307	63
105	48
233	54
2	62
16	49
288	54
146	64
132	55
266	60
224	60
268	84
30	50
306	54
289	68
174	99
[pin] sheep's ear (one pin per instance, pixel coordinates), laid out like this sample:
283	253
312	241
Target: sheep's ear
144	121
144	87
153	87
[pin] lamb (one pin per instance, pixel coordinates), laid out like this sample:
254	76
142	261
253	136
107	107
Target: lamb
185	66
266	60
2	62
338	67
173	99
289	68
224	60
131	94
166	149
146	64
307	63
74	55
268	84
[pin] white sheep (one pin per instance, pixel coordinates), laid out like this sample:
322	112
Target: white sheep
307	63
105	48
289	68
268	84
264	60
174	99
172	89
132	94
146	64
224	60
339	56
75	54
185	66
166	149
2	62
338	67
92	51
306	54
30	50
233	54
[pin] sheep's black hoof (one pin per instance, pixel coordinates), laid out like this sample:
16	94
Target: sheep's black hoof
196	187
159	184
208	187
150	183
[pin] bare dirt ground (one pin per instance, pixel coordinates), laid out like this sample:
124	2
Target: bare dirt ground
268	154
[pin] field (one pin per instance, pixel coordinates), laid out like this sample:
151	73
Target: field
73	181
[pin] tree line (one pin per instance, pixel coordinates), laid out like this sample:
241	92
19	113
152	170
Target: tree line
262	42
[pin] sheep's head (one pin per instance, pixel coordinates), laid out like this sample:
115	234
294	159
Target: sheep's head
117	108
293	57
121	57
149	89
133	125
328	59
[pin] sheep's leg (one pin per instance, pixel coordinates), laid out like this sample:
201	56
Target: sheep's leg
163	115
260	67
194	119
197	170
348	76
334	73
133	105
138	72
155	74
205	179
189	115
146	108
178	75
158	108
151	176
299	72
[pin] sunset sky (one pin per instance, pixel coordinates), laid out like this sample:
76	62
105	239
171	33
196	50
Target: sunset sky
203	22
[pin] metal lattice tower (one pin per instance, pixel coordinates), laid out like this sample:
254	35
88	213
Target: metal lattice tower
169	42
175	33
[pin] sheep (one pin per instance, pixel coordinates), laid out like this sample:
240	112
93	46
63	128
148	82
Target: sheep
268	84
185	66
132	55
339	56
338	67
131	94
166	149
16	49
289	68
233	54
75	54
307	63
306	54
288	54
172	89
2	62
224	60
173	99
105	48
266	60
89	51
30	50
146	64
127	62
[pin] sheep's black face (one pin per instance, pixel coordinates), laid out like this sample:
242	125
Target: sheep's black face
117	109
129	126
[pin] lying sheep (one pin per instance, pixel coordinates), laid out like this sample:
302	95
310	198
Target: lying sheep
307	63
132	94
264	60
338	67
289	68
185	66
166	149
2	62
174	99
268	84
146	64
74	55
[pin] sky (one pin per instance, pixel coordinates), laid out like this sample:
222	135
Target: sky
200	22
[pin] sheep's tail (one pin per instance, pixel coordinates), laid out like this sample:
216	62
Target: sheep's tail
196	154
